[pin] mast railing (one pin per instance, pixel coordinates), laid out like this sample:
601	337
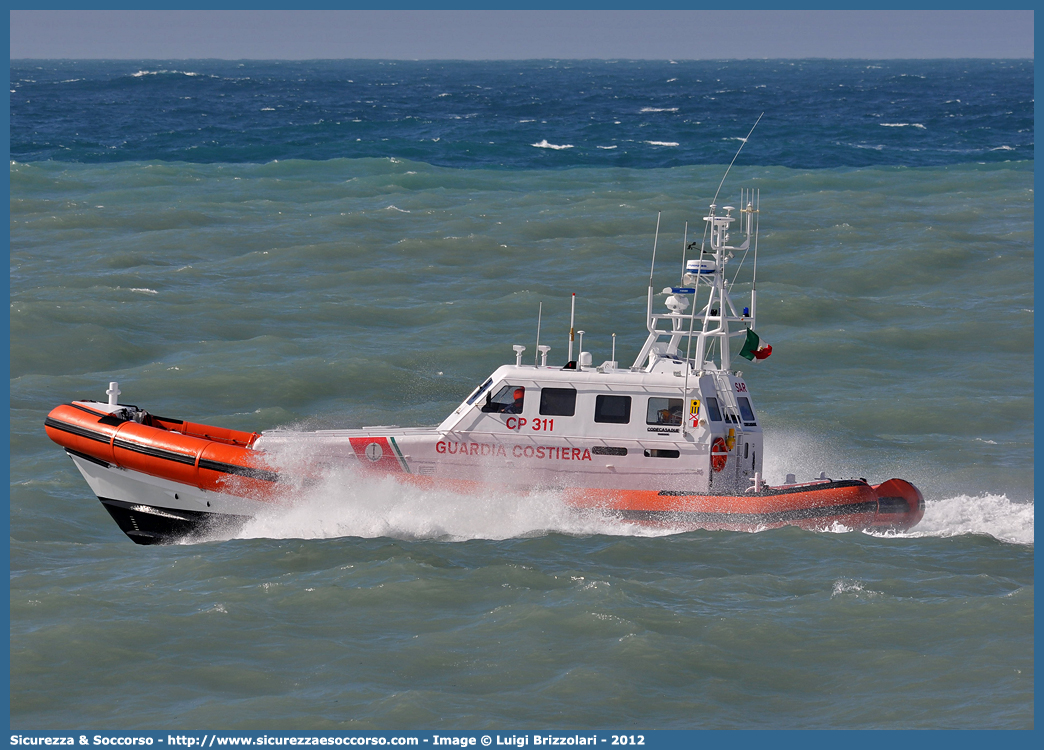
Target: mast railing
718	316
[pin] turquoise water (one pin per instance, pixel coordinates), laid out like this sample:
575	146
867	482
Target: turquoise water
349	292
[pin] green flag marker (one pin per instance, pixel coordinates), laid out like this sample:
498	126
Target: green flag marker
753	348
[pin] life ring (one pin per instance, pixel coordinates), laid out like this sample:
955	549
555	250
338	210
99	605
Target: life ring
719	454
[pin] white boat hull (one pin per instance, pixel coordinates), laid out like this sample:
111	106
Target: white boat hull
153	510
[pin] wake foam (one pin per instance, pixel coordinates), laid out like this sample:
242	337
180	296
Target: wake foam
346	502
993	515
806	455
340	500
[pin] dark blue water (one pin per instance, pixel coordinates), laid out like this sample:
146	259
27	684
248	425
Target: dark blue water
526	115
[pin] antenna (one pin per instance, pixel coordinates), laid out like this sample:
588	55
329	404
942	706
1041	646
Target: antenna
685	240
614	349
536	351
572	318
746	196
648	304
655	238
754	282
734	159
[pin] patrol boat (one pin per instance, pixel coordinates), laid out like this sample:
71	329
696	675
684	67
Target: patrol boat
672	440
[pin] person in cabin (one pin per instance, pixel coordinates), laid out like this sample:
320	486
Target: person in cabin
515	407
672	415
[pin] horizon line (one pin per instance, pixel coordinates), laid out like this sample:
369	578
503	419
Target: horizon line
508	59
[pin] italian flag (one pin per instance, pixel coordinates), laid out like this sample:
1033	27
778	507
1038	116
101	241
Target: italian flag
754	348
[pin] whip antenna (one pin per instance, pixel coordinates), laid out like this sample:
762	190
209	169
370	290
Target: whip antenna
656	238
540	311
734	159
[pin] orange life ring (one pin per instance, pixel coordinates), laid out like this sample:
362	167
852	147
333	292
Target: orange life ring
719	454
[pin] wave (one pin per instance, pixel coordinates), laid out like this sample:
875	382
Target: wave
556	147
659	109
143	73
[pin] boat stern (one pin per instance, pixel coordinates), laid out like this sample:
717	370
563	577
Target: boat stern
900	505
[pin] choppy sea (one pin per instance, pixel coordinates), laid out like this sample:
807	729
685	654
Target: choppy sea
273	244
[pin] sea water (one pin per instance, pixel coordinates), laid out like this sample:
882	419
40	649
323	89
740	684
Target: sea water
323	244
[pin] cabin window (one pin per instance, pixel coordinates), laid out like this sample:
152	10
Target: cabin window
662	453
613	409
558	402
745	411
608	450
479	391
712	409
666	411
508	400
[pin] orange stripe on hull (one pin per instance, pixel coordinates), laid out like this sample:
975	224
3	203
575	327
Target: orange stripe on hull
852	504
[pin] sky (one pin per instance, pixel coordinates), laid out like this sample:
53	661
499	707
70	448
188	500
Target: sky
519	34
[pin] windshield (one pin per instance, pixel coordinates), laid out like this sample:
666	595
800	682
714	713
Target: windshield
509	400
479	391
